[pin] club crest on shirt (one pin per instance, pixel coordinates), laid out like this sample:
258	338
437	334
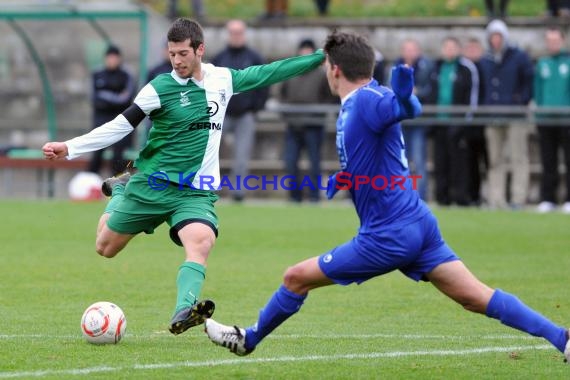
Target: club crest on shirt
184	100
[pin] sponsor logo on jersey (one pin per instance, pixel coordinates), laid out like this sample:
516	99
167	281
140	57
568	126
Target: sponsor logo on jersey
212	108
204	125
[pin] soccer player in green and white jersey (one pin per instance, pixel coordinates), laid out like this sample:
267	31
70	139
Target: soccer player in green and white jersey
187	108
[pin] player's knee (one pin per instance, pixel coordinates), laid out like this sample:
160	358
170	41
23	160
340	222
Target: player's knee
206	243
106	249
293	279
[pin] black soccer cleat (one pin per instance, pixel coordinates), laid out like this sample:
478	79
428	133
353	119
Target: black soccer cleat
107	186
191	316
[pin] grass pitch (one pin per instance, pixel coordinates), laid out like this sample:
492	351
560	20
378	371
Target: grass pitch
389	327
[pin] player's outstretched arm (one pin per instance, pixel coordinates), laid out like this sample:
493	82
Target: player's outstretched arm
265	75
408	105
108	133
99	138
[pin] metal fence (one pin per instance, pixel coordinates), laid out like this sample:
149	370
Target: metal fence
445	115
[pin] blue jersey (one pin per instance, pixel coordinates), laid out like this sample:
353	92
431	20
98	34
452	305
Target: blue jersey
372	156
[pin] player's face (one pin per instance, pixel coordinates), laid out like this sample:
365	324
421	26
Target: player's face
184	60
554	41
332	76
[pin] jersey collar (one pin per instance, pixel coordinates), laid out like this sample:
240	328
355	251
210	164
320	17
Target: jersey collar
184	81
343	100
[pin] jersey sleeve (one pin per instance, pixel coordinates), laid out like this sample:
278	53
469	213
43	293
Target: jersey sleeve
99	138
264	75
147	99
377	108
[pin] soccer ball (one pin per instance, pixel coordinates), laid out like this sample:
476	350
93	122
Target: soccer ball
103	323
85	186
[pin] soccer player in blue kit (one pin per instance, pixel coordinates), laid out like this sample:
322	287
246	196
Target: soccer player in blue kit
398	230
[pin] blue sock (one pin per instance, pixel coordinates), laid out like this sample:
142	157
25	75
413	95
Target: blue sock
513	313
281	306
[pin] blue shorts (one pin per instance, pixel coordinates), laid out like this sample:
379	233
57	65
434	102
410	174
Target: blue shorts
415	249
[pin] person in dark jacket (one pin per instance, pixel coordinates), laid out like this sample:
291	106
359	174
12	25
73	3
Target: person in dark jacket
379	68
477	160
455	81
552	89
415	137
305	130
240	115
113	91
165	66
507	73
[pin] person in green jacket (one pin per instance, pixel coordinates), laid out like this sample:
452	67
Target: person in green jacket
178	169
552	89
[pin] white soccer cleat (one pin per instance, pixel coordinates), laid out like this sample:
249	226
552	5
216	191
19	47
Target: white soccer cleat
231	337
566	208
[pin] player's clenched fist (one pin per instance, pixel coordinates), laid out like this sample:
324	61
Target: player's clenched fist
403	81
55	150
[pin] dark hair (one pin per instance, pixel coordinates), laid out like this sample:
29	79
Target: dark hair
352	53
185	29
113	50
307	43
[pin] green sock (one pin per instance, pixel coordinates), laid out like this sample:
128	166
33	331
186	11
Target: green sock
116	198
189	282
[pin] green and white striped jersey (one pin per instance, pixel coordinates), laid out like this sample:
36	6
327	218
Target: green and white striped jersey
188	116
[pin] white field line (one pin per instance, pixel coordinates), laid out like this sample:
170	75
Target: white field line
160	334
279	359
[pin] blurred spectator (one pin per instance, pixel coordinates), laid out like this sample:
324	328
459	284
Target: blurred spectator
197	7
493	11
275	9
305	130
163	67
455	81
555	8
552	89
198	12
113	91
240	114
415	136
508	77
322	7
379	67
475	134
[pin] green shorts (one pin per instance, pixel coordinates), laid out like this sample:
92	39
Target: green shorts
143	208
